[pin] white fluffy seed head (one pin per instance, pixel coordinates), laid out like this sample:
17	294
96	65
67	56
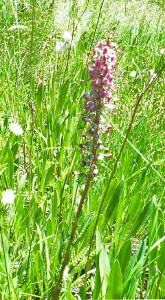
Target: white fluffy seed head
67	37
133	74
162	51
8	197
16	129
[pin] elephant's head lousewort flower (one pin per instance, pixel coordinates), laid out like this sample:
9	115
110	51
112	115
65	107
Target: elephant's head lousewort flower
102	75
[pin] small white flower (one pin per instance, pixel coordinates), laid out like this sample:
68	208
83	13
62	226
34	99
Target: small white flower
8	197
133	74
95	171
67	37
115	98
162	51
16	129
152	73
110	106
100	156
102	120
59	46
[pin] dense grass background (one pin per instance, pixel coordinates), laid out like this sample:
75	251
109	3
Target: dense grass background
42	90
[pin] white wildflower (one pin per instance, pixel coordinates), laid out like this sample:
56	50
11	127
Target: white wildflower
8	197
59	46
16	129
115	98
100	156
152	73
95	171
133	74
102	120
162	51
67	40
67	37
111	107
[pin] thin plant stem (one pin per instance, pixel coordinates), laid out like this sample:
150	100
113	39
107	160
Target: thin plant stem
57	287
151	81
31	105
88	180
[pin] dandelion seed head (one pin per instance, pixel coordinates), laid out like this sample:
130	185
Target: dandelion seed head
67	37
16	129
59	46
8	197
162	51
133	74
152	73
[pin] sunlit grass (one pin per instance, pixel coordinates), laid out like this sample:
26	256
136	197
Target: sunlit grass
42	89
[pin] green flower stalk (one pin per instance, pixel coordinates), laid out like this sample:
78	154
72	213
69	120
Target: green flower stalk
102	83
102	75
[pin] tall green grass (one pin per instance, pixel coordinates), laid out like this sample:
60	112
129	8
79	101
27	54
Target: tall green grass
42	90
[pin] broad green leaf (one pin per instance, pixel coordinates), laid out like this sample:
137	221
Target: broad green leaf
141	181
132	213
112	254
21	182
97	287
39	270
110	193
48	177
69	296
115	282
141	219
5	152
125	255
14	149
114	202
104	264
135	264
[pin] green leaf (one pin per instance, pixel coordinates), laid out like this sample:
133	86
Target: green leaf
114	202
141	181
136	262
132	213
97	287
98	241
162	282
125	255
48	177
142	218
110	193
115	282
10	168
21	182
104	264
14	149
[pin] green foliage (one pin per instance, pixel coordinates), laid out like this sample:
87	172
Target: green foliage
42	89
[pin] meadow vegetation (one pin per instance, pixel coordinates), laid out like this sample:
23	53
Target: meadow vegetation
118	249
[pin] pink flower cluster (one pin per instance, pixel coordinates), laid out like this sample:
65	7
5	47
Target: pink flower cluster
102	73
103	84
